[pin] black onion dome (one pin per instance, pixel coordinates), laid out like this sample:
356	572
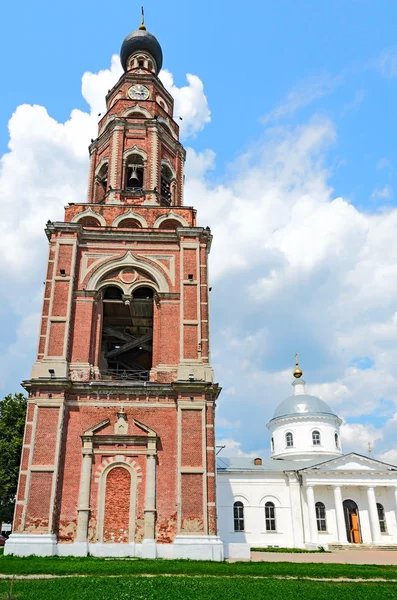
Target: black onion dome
141	40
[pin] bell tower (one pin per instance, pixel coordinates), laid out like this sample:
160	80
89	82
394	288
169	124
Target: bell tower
119	449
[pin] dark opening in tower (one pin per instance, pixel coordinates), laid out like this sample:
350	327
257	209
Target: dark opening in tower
166	180
127	334
134	174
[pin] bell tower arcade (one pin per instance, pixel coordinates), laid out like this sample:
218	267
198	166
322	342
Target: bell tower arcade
119	448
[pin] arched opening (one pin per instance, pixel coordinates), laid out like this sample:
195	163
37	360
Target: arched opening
127	334
352	521
134	173
316	438
238	514
170	224
166	180
381	517
336	441
272	442
321	517
89	222
289	439
102	181
270	516
130	224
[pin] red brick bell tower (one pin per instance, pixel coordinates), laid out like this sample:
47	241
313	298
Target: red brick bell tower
119	451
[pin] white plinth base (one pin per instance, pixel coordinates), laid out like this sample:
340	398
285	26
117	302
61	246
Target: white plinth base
112	550
198	547
149	549
24	544
75	549
238	551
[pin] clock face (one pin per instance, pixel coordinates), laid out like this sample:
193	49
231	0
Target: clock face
138	92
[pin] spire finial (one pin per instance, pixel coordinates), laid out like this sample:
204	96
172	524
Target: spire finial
297	371
142	25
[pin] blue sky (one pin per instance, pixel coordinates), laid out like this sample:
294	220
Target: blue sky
292	162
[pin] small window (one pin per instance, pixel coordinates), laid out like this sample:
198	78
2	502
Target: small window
238	514
289	439
270	516
336	441
321	517
381	517
140	62
316	438
272	444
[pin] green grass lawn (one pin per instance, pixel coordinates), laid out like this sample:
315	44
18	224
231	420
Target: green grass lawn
99	566
194	588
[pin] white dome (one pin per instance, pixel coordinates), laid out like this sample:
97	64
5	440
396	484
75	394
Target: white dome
303	426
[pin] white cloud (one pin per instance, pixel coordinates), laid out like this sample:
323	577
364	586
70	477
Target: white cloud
383	163
385	193
387	63
304	94
233	448
356	436
190	103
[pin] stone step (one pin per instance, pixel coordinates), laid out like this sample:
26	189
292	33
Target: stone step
342	547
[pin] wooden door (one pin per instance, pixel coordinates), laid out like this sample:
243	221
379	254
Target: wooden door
354	527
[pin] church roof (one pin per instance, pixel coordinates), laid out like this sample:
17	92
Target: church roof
246	463
302	404
346	462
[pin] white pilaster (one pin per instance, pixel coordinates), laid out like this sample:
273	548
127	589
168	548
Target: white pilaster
340	519
84	497
149	544
373	516
312	514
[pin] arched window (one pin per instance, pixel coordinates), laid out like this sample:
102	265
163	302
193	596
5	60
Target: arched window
270	516
316	438
166	179
289	439
238	514
130	224
112	292
336	441
89	222
321	517
102	181
381	517
134	173
170	224
272	444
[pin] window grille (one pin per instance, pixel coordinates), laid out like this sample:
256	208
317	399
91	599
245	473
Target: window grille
316	438
289	439
270	516
238	513
321	517
381	517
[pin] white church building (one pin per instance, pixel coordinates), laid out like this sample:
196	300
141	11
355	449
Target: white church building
308	494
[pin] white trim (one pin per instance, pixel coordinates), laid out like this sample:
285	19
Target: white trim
170	215
130	215
135	109
89	213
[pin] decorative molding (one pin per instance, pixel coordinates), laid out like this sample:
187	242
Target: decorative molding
130	215
157	258
85	268
137	108
170	215
131	261
89	213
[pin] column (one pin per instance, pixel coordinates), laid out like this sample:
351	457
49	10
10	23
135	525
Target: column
150	501
340	518
395	495
312	514
373	515
84	497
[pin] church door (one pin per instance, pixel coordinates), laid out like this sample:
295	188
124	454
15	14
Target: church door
352	521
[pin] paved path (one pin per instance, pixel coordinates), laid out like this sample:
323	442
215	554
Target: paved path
345	557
